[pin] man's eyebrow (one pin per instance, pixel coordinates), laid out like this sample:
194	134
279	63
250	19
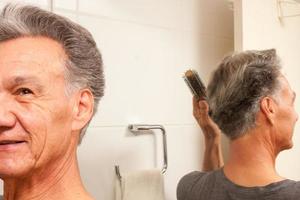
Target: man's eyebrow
24	79
19	80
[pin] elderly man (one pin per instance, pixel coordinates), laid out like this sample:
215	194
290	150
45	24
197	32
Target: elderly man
253	104
51	80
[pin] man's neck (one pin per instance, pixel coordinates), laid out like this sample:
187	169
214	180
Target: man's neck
252	161
61	181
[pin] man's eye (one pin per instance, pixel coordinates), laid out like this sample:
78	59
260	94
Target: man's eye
24	91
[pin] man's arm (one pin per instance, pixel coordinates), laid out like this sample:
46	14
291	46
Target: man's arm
213	158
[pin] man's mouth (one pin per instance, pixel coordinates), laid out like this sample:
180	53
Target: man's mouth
7	142
11	145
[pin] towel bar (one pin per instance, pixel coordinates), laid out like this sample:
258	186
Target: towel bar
137	129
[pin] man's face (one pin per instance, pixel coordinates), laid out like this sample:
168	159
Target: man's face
286	116
35	113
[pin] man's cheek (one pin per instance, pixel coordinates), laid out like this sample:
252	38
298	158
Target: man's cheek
34	125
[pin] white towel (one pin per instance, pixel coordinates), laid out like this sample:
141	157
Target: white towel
142	185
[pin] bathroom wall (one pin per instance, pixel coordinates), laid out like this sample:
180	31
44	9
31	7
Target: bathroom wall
257	26
146	47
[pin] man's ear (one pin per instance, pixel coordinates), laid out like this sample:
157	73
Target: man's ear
83	109
268	108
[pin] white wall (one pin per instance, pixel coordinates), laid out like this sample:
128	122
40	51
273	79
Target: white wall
146	47
260	28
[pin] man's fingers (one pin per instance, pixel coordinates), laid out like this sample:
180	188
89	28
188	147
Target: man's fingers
203	117
203	107
195	108
195	103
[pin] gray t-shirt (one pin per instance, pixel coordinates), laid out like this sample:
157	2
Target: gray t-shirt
215	186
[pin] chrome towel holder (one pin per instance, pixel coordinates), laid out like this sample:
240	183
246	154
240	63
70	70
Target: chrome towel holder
137	129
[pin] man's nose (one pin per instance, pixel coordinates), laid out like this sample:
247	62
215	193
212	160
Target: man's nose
7	117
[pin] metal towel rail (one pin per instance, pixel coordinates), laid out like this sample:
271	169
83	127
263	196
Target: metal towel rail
137	129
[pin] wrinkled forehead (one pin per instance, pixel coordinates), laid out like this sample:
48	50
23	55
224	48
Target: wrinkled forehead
284	86
32	54
283	80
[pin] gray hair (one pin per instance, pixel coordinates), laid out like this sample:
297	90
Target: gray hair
237	86
84	68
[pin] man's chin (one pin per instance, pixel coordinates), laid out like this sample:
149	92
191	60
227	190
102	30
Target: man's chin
12	170
287	146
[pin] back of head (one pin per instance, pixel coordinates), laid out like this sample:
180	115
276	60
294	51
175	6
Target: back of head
237	86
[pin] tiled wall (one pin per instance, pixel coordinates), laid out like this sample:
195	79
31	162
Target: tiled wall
146	47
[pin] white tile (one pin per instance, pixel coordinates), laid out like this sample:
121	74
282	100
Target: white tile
203	52
102	148
224	24
40	3
143	72
70	15
37	2
196	15
212	18
166	13
222	47
65	4
43	3
198	53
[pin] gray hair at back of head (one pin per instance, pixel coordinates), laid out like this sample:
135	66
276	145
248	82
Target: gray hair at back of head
237	86
84	68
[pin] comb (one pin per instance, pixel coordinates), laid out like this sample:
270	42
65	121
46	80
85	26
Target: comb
195	84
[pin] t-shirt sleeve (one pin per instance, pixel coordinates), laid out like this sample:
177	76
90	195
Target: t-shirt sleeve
186	184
